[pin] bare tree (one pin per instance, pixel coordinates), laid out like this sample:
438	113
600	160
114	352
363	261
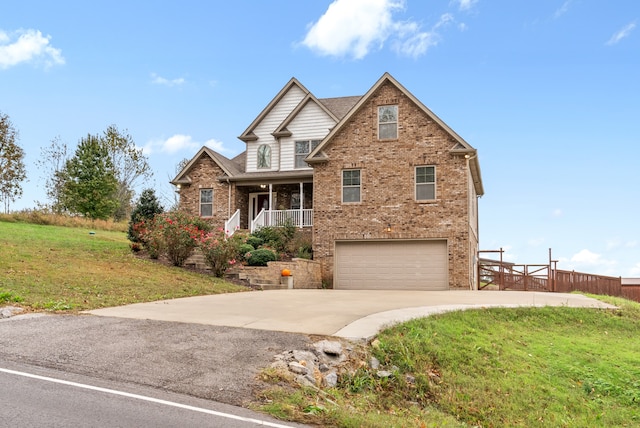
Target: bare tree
52	162
12	169
130	165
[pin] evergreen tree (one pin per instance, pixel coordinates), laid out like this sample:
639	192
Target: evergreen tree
146	208
90	183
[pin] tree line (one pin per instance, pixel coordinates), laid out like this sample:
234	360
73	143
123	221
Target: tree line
97	180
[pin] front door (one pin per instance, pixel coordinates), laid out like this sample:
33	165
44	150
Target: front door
258	202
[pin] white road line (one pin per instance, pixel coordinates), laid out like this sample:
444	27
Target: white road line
144	398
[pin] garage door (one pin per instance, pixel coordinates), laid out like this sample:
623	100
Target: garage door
397	265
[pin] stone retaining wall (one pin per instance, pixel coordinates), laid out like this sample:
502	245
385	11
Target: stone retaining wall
305	273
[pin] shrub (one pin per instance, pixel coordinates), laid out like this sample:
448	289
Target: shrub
150	237
254	241
305	252
146	208
219	251
261	256
300	246
276	237
175	234
180	235
244	249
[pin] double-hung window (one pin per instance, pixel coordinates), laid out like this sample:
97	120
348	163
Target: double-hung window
206	202
303	148
425	183
351	185
387	122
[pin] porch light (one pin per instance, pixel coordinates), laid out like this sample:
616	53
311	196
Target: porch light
389	228
263	186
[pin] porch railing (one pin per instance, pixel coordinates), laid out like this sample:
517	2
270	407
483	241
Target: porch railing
279	218
233	224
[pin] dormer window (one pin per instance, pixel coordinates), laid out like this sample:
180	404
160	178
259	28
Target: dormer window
387	122
264	156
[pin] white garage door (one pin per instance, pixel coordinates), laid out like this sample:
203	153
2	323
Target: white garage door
393	265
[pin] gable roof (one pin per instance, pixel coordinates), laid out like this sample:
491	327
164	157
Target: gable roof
248	134
282	131
231	167
461	147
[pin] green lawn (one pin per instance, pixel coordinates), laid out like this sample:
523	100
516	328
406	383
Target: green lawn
525	367
65	268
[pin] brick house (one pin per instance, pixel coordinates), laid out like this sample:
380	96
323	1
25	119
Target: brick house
389	191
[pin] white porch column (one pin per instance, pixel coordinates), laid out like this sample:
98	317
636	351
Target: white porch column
270	204
301	205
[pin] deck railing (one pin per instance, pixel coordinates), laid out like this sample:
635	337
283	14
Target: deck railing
279	218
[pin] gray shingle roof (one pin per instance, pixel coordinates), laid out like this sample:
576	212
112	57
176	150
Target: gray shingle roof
339	106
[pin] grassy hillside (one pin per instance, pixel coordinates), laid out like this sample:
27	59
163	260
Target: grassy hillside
525	367
69	268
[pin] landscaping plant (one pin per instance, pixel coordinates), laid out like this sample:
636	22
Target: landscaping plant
260	257
175	234
219	251
146	209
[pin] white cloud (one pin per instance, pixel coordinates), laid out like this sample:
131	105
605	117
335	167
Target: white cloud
557	212
635	270
562	9
353	28
24	46
158	80
621	34
466	4
418	42
180	142
588	258
216	145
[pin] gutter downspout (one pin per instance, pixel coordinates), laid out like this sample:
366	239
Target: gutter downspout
229	201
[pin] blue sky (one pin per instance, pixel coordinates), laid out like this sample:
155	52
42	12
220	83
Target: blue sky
547	91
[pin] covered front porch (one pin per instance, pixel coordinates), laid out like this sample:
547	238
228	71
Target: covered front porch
271	203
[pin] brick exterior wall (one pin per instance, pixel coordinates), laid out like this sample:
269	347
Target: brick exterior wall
204	175
388	186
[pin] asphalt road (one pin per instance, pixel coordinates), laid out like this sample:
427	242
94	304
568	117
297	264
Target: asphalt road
36	397
209	362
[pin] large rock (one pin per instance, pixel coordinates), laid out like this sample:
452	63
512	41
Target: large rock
329	347
9	311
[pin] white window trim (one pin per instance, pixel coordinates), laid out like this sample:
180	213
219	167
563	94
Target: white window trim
415	181
200	203
342	186
387	123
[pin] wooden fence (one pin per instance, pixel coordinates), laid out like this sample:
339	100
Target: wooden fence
510	276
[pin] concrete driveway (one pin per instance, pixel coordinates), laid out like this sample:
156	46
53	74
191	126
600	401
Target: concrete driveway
350	314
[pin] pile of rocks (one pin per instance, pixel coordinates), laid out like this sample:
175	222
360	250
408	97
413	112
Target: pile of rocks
318	367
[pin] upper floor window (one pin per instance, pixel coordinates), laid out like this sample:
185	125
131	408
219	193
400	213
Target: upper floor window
303	148
387	122
206	202
264	156
425	183
351	185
